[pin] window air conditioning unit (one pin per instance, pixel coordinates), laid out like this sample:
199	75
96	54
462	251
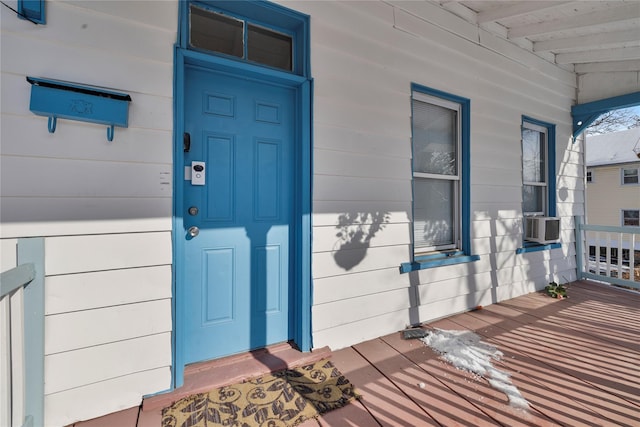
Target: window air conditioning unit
542	229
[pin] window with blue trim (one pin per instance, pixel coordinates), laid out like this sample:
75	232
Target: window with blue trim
441	189
538	178
32	10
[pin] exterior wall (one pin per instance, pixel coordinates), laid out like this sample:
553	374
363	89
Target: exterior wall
364	58
606	196
103	207
596	81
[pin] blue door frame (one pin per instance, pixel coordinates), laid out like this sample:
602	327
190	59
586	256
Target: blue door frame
301	280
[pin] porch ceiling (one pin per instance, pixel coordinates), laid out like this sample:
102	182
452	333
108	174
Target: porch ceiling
581	36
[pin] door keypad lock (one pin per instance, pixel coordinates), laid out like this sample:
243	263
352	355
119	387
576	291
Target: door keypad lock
198	173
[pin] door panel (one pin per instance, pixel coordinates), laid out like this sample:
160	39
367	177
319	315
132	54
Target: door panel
237	271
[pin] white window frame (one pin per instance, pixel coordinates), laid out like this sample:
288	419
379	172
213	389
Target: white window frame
589	176
545	175
457	222
628	169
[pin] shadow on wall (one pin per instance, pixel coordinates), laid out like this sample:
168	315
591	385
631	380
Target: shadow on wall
355	231
563	194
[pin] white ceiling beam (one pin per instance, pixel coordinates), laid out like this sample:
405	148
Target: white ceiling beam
607	16
602	55
461	10
588	42
608	67
516	10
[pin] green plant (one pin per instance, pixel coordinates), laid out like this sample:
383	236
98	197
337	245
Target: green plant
555	290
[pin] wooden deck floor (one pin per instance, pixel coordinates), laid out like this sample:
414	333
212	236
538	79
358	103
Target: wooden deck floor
576	361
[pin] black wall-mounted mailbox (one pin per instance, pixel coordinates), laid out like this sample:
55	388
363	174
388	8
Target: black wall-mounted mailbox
58	99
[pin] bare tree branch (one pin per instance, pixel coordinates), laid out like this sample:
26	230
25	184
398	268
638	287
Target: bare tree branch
614	121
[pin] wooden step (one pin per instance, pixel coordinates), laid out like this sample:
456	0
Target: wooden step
206	376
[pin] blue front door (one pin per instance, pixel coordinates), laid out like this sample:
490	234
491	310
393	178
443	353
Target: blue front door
238	258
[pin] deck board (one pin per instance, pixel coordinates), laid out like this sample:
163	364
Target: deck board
543	387
576	361
475	390
551	347
380	397
436	398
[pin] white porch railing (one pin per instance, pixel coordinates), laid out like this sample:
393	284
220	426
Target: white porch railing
22	338
613	260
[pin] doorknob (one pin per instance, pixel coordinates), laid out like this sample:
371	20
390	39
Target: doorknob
193	231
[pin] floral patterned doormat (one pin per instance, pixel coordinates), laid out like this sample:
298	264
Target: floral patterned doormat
281	399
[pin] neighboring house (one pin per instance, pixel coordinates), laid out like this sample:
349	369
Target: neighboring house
613	185
320	172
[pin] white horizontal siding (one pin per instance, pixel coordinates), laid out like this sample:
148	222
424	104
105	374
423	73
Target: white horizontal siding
446	289
45	216
77	254
328	212
82	329
363	329
108	322
85	65
444	22
325	264
594	85
438	309
365	57
149	350
103	68
78	169
361	189
327	239
97	399
104	207
365	307
361	141
131	146
78	178
8	254
348	286
106	288
365	165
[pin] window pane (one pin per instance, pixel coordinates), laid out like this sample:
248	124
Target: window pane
434	212
631	218
533	160
269	48
434	139
630	176
533	199
216	32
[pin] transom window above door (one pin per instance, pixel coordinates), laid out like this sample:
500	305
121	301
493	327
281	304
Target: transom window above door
240	38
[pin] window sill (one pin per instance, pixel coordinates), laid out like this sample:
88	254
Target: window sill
536	247
424	264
